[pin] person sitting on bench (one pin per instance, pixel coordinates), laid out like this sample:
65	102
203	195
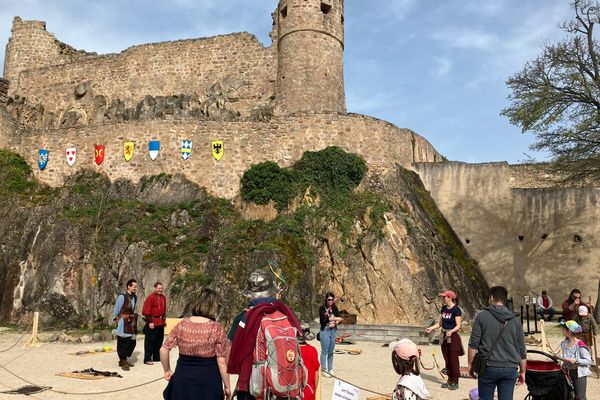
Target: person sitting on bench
544	304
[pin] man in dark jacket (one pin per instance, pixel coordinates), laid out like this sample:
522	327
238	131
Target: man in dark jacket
507	362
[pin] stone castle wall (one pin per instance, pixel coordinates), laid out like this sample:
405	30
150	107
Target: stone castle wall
525	239
282	140
31	46
238	62
533	176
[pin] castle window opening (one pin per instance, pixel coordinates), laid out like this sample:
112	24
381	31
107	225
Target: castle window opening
521	237
544	236
577	238
325	7
283	12
467	241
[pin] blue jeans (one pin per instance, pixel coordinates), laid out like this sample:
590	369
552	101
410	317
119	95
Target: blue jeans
503	378
550	311
327	345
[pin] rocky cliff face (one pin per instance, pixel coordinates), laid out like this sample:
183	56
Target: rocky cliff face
64	249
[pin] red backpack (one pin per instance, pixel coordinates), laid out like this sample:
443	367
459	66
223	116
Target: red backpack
277	367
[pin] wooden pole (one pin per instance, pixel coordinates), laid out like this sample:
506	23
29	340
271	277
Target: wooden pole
544	341
33	340
597	360
318	390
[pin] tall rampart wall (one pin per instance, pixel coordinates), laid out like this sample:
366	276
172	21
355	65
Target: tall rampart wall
282	140
238	62
525	239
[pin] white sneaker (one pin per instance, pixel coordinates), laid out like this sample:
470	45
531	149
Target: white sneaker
330	372
325	374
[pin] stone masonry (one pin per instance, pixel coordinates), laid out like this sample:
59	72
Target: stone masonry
282	140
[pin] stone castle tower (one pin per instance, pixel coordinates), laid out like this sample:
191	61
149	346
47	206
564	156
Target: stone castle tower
310	45
32	46
29	44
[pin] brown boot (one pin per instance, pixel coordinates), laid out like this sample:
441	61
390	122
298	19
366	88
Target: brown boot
124	365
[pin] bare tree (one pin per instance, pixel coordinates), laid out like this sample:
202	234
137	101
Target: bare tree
557	97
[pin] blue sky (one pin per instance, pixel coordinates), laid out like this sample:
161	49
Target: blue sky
437	67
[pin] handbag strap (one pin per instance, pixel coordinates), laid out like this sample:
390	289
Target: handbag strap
498	337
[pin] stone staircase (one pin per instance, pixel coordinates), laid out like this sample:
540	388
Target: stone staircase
385	333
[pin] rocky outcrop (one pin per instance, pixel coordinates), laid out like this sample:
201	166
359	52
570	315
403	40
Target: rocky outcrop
78	245
396	279
3	91
88	108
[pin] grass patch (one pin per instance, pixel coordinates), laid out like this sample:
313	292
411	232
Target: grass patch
16	176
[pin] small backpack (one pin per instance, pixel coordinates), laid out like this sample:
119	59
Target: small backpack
277	367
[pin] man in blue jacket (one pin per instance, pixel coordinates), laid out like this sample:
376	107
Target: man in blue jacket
126	318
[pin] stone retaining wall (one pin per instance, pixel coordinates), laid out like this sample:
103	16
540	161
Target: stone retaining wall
282	140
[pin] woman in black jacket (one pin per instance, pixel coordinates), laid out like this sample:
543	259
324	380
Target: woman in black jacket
329	316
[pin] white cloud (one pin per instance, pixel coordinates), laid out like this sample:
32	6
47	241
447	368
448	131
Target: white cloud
467	38
442	66
399	8
487	8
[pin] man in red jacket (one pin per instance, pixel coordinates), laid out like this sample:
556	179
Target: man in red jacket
154	312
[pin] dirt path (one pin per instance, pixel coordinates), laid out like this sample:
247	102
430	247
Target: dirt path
370	370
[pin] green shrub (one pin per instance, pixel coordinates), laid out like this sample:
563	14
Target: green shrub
331	171
15	174
267	181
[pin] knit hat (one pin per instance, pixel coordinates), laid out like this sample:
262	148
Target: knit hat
572	326
583	311
404	348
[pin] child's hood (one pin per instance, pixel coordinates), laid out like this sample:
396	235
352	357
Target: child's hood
414	383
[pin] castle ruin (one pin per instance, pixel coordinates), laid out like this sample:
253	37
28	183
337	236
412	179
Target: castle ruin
274	103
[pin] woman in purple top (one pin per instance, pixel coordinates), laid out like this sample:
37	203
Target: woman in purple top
450	321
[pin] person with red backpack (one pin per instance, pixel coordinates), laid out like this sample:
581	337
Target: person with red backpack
265	351
577	357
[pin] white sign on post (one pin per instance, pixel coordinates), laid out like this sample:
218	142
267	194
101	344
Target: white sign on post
344	391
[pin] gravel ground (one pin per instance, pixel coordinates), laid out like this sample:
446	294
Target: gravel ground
371	370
